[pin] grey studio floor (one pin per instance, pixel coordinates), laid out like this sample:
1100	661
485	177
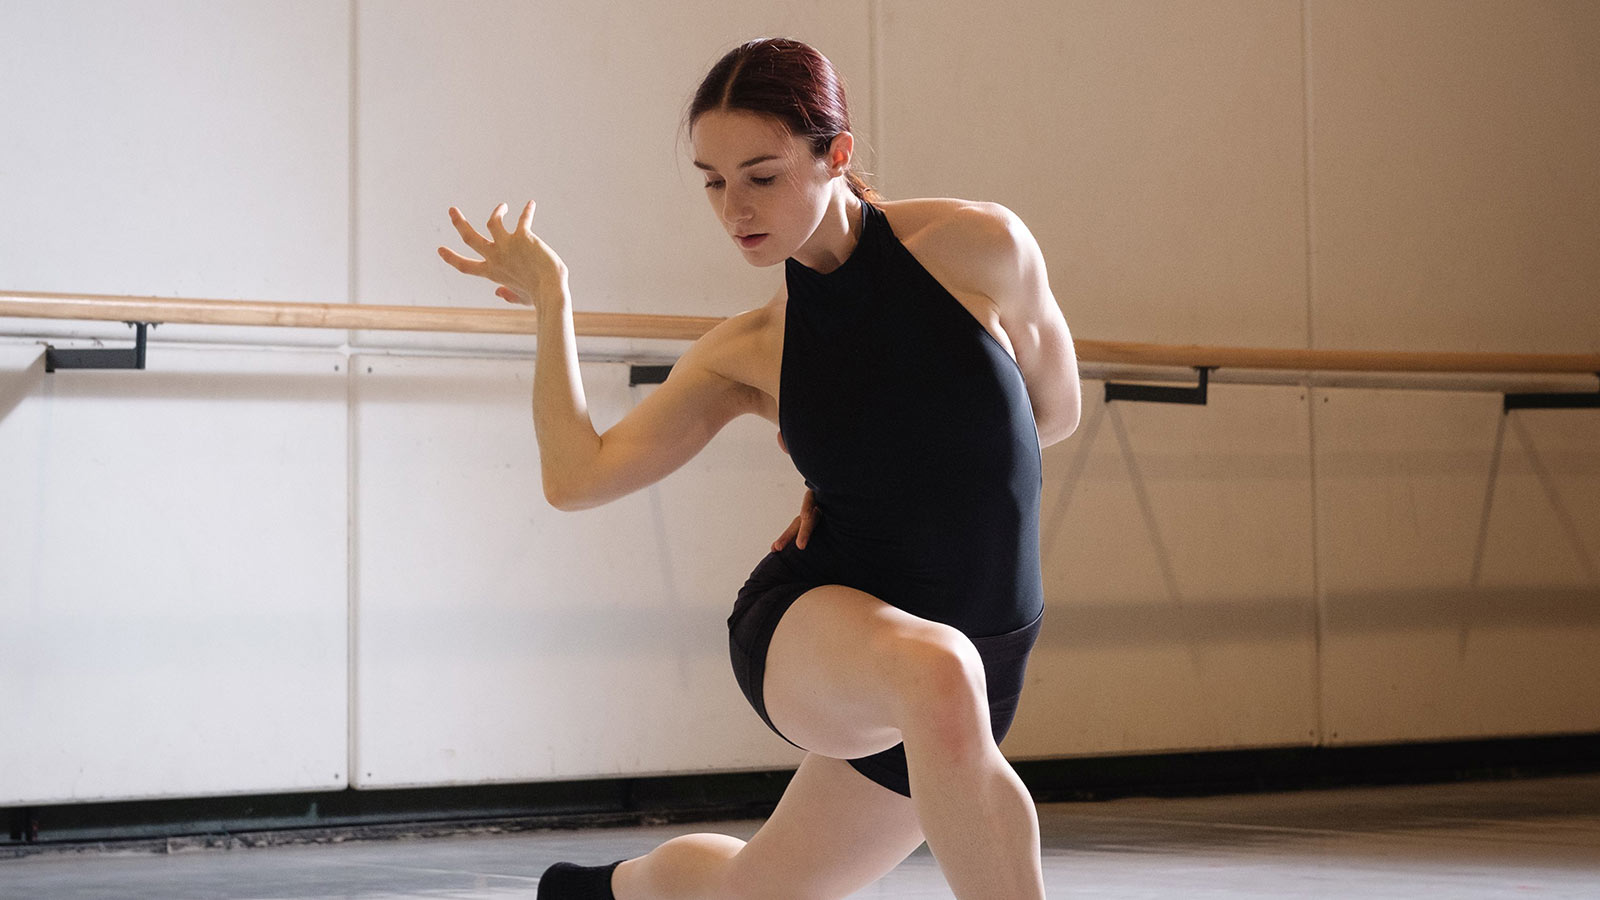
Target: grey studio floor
1519	838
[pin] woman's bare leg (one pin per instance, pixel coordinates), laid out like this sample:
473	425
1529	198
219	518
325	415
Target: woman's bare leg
833	833
848	675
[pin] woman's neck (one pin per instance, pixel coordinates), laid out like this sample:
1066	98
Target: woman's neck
836	235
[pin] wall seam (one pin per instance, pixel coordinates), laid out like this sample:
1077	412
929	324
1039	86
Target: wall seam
1318	623
1310	221
352	645
875	84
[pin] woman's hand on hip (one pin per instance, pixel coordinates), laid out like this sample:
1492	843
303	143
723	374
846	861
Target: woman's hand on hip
524	266
800	529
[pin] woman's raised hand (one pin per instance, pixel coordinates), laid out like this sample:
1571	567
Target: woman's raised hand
524	266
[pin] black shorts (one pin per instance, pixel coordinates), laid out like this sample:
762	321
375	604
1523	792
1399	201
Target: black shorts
769	593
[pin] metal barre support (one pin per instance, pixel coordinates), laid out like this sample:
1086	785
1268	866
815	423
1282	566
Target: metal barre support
100	358
1144	393
1559	400
638	375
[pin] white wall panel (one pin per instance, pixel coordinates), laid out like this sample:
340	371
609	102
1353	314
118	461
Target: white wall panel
502	640
579	107
1456	200
1155	149
191	148
172	577
1459	567
1178	579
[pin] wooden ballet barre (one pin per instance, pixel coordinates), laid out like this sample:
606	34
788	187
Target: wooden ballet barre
1294	360
347	316
628	325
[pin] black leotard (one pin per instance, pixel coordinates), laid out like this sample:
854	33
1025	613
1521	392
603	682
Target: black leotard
913	426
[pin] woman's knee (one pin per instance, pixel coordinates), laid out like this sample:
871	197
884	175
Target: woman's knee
941	687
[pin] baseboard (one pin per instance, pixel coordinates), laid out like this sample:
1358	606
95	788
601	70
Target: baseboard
165	825
1307	768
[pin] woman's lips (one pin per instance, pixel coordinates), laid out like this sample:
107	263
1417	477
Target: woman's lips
751	241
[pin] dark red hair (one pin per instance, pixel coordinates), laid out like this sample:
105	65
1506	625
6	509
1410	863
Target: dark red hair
789	81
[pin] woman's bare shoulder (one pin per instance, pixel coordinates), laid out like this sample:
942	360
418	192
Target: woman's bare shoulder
752	324
745	349
946	217
965	241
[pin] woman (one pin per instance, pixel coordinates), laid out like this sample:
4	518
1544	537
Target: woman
915	362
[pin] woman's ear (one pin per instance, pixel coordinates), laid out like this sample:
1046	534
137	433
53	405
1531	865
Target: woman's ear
840	150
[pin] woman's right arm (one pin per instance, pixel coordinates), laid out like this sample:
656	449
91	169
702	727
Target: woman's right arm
669	427
580	467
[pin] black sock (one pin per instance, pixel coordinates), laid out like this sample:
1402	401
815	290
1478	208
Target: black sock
565	881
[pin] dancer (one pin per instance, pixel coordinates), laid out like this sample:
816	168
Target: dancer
915	363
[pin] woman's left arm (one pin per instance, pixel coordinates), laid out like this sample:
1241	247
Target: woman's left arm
1015	279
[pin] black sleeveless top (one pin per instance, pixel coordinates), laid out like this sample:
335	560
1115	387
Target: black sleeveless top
913	426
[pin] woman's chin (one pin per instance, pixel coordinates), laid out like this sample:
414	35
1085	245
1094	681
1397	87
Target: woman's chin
762	258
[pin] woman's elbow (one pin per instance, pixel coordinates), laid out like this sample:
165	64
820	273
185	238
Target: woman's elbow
558	500
561	502
565	496
1058	431
1060	423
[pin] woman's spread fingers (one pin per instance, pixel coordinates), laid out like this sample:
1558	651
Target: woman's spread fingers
497	222
525	223
461	263
469	235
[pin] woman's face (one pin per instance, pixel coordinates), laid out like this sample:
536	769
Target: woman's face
765	185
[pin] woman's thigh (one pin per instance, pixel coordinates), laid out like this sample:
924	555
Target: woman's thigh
837	670
833	833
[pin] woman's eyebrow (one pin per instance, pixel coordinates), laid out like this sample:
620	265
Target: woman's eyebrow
744	165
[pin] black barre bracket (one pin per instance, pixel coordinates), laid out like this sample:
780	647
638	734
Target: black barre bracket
1560	400
1145	393
100	358
638	375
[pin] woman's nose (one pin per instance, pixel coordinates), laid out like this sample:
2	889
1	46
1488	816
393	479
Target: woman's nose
736	208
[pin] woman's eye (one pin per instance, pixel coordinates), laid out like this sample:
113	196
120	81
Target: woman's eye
765	181
713	185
